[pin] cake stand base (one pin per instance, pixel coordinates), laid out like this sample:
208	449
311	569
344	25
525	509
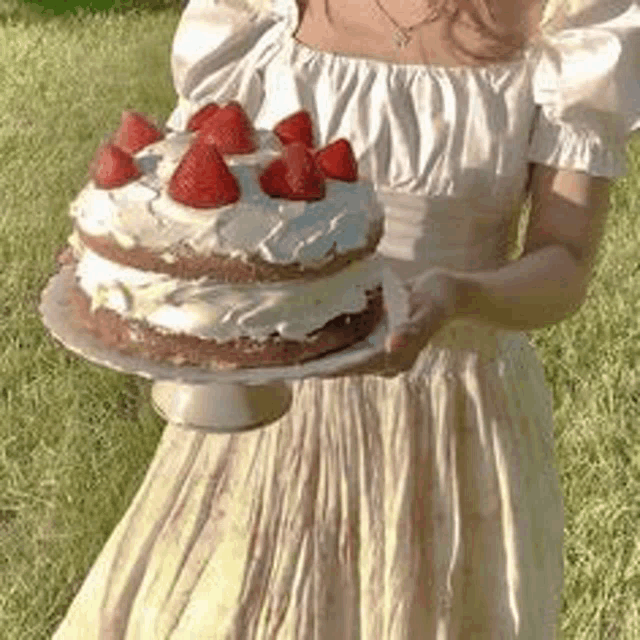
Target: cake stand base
221	407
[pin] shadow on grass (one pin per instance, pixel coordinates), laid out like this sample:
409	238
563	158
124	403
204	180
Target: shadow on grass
30	12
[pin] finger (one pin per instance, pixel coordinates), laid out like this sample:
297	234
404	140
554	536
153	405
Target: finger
415	303
401	337
396	342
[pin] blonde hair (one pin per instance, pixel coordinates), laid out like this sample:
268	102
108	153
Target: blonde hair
501	39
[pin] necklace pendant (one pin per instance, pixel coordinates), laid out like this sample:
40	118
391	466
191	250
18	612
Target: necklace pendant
401	39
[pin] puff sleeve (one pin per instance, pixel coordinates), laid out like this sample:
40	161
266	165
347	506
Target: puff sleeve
219	51
586	87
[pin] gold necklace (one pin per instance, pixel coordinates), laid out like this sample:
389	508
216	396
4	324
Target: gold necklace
401	36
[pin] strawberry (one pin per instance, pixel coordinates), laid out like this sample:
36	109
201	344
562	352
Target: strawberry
113	167
202	179
337	161
199	119
230	129
295	176
273	181
295	128
135	132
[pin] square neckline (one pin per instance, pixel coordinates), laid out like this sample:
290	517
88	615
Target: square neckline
294	19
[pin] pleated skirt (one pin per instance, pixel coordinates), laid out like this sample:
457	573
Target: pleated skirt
425	506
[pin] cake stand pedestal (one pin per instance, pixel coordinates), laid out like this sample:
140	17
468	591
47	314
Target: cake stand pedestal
221	406
220	400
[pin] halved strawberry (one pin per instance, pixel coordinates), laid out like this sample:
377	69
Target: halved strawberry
202	179
296	128
338	161
112	167
295	176
199	119
230	129
135	132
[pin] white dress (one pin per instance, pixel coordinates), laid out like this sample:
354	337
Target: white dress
426	506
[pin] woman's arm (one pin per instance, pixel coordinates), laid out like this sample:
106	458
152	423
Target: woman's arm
545	286
549	282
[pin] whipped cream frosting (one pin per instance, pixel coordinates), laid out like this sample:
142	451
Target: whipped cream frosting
225	311
280	231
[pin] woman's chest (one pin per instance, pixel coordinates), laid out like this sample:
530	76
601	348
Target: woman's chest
369	28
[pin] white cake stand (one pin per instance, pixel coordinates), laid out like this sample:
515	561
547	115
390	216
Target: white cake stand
221	400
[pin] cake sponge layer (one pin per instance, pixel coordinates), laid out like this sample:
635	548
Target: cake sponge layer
137	338
185	263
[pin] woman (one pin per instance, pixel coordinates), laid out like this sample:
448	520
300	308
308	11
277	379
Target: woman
413	496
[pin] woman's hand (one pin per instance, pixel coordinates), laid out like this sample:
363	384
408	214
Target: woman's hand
433	299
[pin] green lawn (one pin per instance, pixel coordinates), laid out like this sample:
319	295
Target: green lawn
75	439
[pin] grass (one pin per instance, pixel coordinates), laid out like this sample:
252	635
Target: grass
39	12
76	439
